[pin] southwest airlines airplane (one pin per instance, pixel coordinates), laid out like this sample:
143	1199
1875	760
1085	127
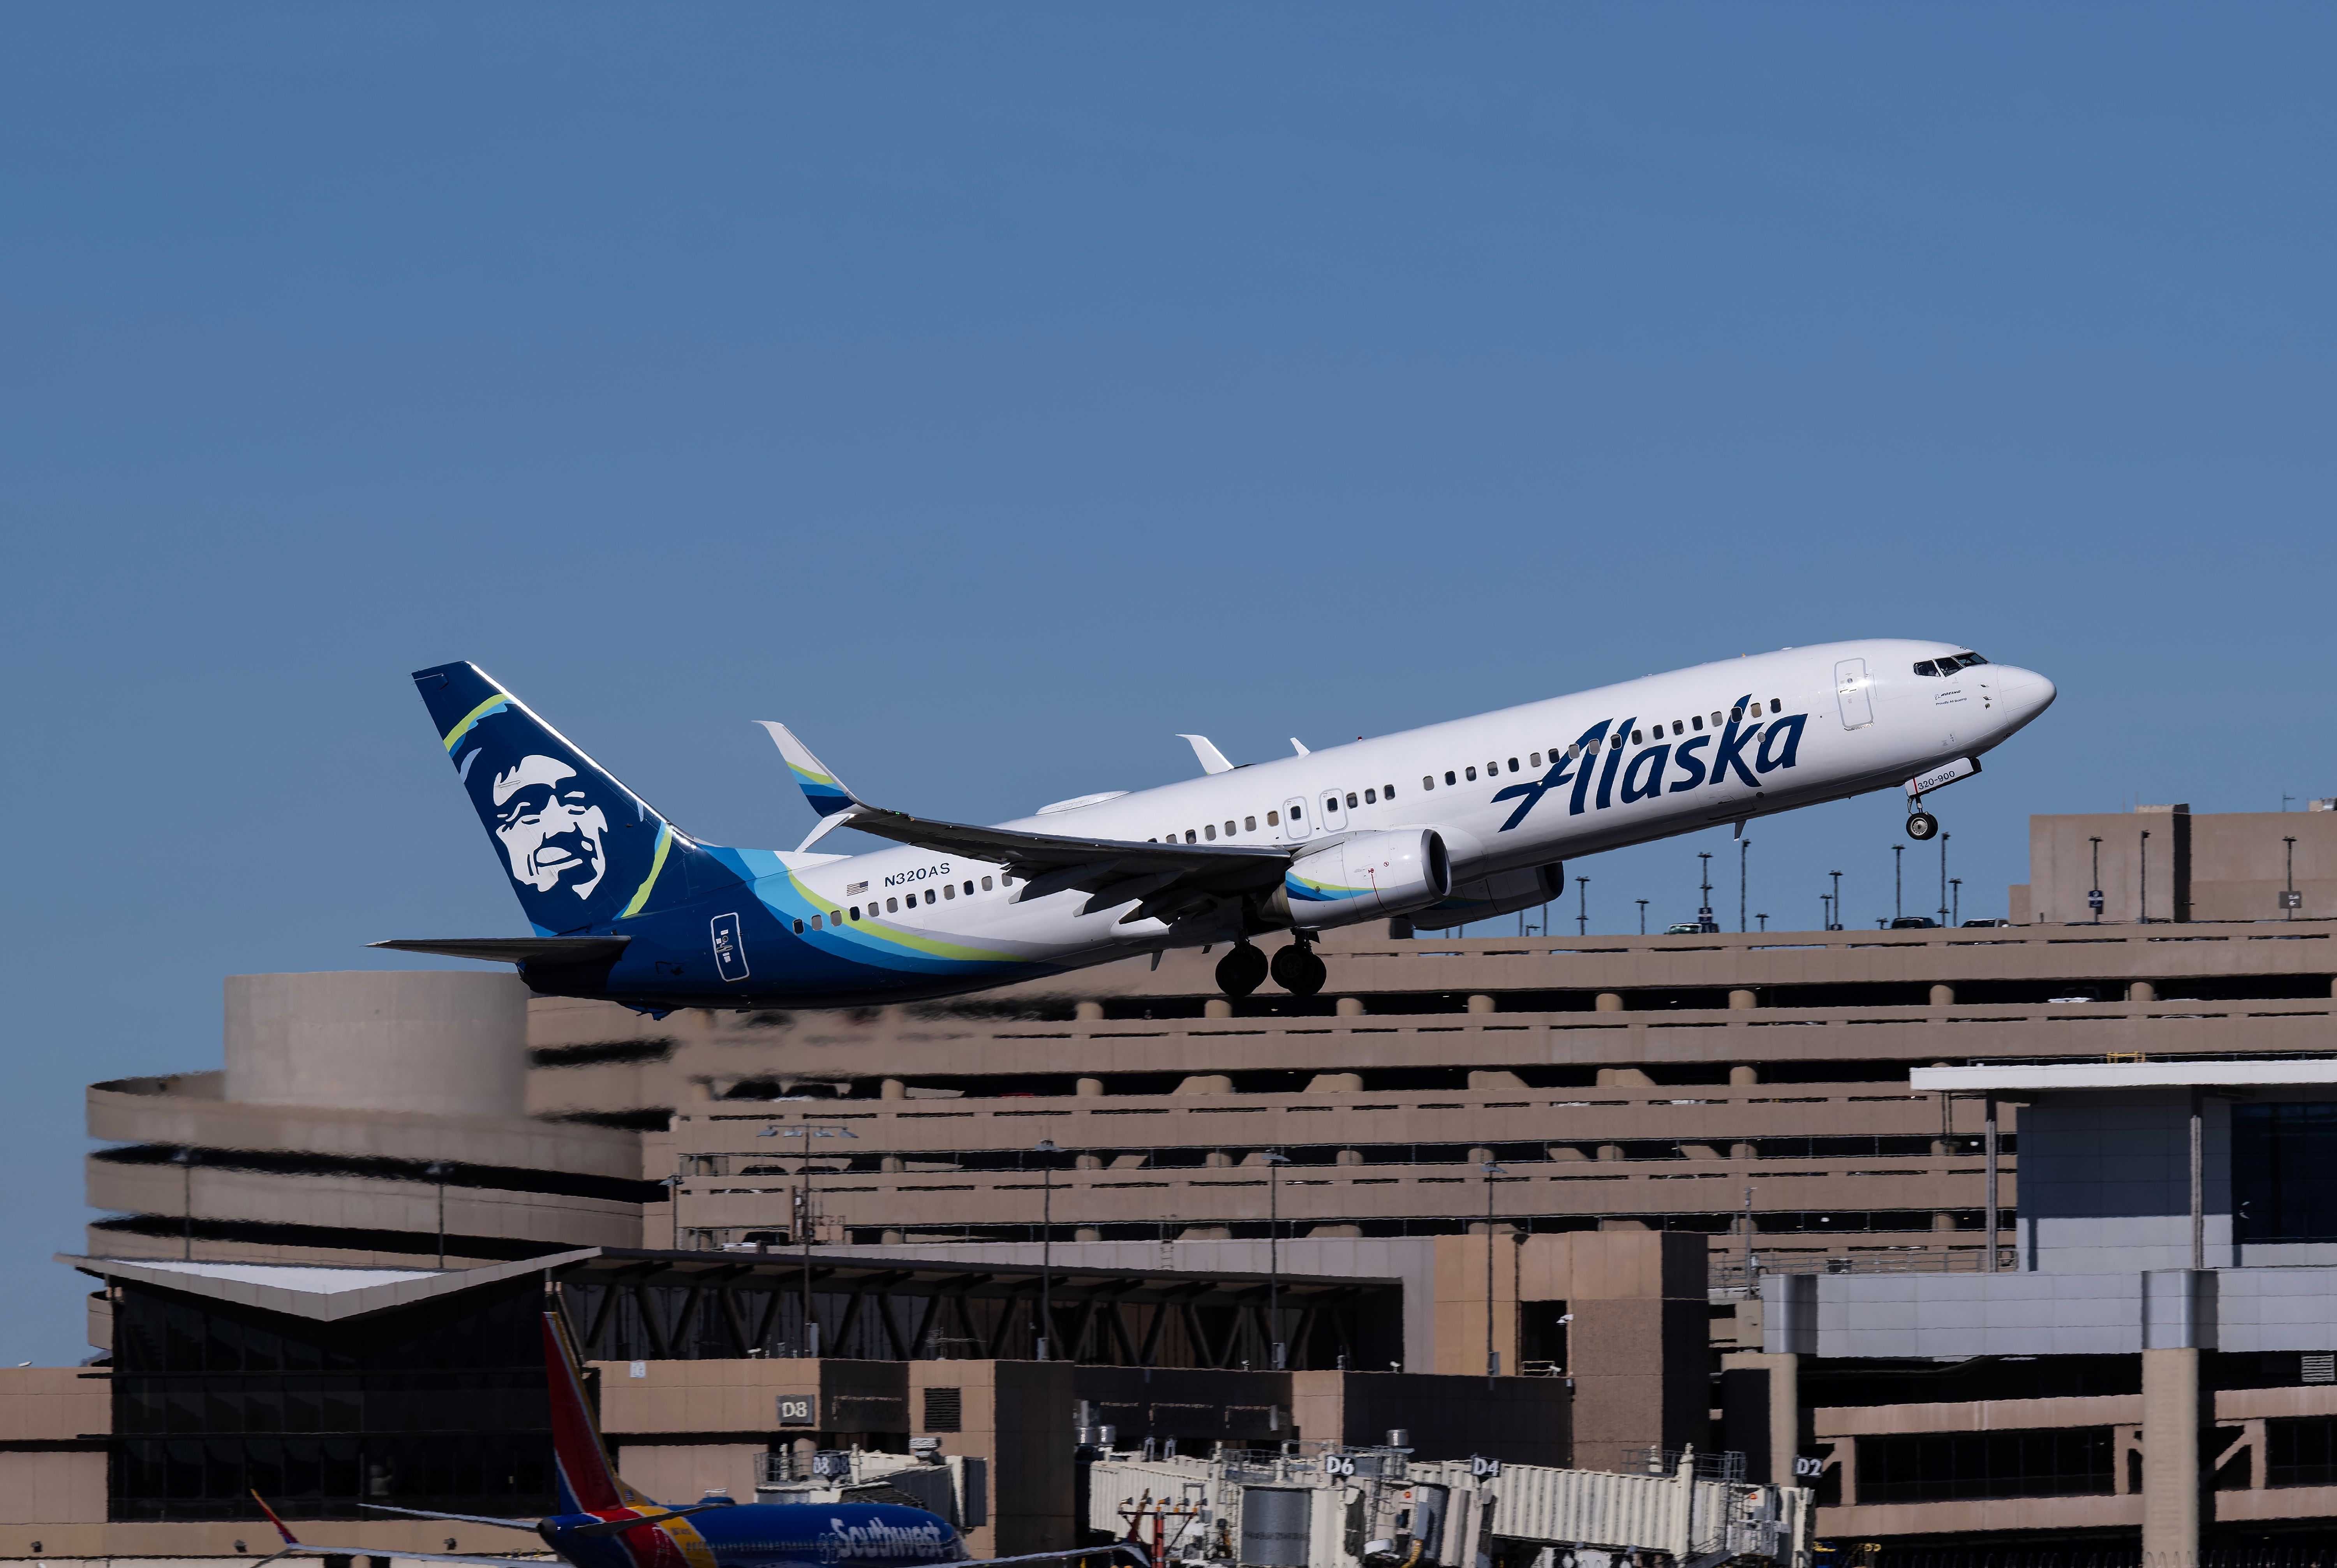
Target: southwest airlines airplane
1438	826
604	1523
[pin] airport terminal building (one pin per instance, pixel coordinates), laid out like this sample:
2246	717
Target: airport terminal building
1719	1162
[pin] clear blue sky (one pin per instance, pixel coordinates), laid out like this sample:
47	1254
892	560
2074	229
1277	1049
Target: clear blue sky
992	392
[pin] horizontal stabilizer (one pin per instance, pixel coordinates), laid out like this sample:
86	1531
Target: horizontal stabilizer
516	949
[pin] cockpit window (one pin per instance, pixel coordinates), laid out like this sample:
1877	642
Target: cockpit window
1927	668
1972	659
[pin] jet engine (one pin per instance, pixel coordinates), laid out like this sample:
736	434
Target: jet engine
1499	893
1364	876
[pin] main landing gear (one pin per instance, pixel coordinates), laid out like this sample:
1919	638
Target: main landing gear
1297	969
1242	970
1922	825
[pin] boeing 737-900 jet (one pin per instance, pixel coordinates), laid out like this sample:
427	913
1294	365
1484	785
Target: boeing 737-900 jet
1439	825
604	1523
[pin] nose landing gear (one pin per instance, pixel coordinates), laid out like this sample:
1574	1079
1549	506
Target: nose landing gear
1241	971
1298	970
1923	825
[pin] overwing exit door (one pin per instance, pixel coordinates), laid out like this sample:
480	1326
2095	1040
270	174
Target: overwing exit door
1854	693
1294	812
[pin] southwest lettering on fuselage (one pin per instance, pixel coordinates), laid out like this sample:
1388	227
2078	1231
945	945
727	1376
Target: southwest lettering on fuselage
1439	825
1643	778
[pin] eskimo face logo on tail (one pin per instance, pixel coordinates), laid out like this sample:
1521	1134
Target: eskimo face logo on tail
550	828
580	850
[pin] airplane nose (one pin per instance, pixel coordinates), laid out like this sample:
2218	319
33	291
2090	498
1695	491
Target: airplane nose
2027	693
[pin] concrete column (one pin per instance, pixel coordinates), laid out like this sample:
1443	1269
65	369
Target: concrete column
1087	1012
1481	1004
1217	1007
1351	1156
1745	1074
1943	995
1088	1088
2142	991
1785	1418
1351	1006
893	1089
1612	1001
2170	1455
1740	1001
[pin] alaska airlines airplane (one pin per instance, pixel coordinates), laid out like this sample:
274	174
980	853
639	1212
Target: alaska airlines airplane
1437	827
604	1523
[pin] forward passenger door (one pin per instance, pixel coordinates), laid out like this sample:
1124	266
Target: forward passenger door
1854	693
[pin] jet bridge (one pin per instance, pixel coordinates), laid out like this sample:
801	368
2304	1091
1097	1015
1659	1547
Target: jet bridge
1318	1505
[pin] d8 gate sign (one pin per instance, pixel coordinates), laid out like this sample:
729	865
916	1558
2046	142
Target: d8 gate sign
798	1410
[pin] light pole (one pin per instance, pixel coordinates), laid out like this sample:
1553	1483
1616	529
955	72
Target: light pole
2144	918
1898	860
1492	1357
1943	877
1826	911
1764	919
2288	904
437	1169
185	1161
1837	899
2094	896
1275	1160
1704	881
1583	905
806	1131
672	1185
1643	917
1742	846
1046	1150
1955	900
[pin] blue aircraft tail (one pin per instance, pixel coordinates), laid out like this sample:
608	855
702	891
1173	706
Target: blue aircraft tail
582	850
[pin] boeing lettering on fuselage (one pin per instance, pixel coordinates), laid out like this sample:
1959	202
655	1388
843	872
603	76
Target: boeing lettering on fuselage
1437	825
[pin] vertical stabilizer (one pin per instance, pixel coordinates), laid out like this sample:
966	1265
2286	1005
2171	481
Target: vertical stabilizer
588	1482
582	850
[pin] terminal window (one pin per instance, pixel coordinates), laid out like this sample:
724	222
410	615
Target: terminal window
2284	1172
440	1405
1950	1466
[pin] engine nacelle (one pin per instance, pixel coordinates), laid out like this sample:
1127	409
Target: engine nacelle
1501	893
1365	876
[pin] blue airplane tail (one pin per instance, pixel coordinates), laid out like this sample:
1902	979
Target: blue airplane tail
580	849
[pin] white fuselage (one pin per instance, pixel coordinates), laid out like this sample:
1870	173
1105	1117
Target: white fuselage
1833	721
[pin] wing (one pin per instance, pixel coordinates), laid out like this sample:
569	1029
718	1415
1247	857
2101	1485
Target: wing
1166	878
460	1518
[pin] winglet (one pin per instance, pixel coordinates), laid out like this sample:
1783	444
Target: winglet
1295	745
1212	759
828	795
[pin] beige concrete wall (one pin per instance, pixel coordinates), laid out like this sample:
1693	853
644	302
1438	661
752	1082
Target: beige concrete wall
682	1473
53	1405
146	1112
442	1042
51	1488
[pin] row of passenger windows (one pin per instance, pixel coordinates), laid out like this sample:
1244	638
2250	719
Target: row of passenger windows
1639	737
1208	832
1949	665
893	906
